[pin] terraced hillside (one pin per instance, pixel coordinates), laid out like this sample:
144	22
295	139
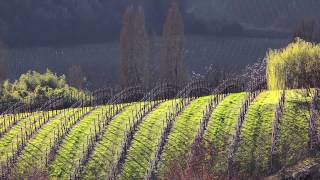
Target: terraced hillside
142	140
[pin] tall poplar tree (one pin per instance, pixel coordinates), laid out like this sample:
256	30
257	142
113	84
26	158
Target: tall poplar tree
134	48
172	66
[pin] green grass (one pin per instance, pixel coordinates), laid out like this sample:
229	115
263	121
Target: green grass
109	148
183	134
12	139
294	128
37	150
145	144
221	129
254	151
73	145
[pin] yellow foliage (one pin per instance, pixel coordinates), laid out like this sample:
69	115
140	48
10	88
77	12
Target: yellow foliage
295	66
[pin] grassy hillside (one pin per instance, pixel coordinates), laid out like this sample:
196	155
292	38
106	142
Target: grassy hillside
88	142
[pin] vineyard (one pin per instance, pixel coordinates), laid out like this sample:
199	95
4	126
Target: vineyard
134	135
250	133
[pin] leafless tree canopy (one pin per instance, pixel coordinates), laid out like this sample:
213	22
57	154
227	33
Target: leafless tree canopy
76	76
172	67
134	48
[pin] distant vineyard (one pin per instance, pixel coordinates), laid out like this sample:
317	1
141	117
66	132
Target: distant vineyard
253	133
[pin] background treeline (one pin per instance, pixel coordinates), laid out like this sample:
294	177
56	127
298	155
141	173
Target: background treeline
137	68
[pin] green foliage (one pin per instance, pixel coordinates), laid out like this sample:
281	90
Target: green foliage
35	86
296	66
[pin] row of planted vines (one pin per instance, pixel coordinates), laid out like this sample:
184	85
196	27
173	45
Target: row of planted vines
253	154
108	150
221	129
147	139
184	131
35	156
145	144
294	138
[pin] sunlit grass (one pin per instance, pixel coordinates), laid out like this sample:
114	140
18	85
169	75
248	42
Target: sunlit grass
254	152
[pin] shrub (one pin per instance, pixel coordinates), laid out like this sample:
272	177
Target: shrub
33	87
296	66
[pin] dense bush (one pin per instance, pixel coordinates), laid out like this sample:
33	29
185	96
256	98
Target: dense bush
34	87
295	66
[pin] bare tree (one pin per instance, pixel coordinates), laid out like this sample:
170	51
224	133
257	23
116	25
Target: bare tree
125	43
172	66
141	47
76	76
134	48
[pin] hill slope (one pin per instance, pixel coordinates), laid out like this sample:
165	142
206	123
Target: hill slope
126	140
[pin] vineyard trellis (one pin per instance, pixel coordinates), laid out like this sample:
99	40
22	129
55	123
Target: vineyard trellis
258	84
182	101
214	101
149	103
102	96
100	126
274	154
182	94
95	137
22	138
58	137
195	88
177	109
161	91
52	104
218	97
314	123
130	134
237	137
128	95
83	107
